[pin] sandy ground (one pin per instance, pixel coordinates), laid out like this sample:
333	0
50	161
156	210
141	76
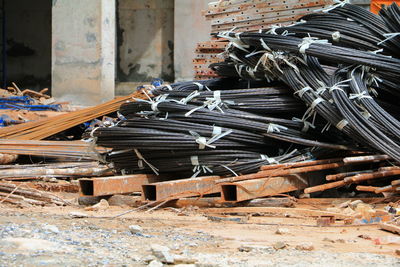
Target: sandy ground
191	237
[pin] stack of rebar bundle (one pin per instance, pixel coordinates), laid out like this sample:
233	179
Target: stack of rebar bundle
342	63
193	128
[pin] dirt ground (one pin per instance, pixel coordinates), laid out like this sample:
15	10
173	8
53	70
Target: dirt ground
50	236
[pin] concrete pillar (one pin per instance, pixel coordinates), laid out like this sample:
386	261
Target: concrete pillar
83	51
191	27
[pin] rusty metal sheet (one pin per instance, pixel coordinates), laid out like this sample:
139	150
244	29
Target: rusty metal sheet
265	18
170	190
115	185
262	5
251	189
263	13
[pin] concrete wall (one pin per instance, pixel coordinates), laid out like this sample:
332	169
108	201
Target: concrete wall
145	40
83	56
28	30
190	28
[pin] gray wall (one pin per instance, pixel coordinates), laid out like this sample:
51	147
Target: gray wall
191	27
29	42
145	39
83	55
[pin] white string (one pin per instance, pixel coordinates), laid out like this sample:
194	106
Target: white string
341	124
140	163
272	127
302	91
389	36
307	41
360	96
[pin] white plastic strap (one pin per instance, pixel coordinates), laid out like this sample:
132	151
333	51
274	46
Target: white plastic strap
316	102
302	91
307	41
272	127
389	36
189	97
216	130
169	87
141	158
341	124
194	160
336	36
360	96
199	85
270	160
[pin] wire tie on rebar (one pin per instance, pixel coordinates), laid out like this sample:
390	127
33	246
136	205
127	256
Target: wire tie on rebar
316	102
336	36
338	3
307	41
272	127
270	160
360	96
302	91
216	130
141	158
169	87
306	124
341	124
389	36
199	85
197	167
189	97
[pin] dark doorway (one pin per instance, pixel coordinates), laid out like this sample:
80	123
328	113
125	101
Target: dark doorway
26	42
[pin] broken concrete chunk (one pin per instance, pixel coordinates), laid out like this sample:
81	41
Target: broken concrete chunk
279	245
282	231
162	253
135	229
77	214
155	263
308	246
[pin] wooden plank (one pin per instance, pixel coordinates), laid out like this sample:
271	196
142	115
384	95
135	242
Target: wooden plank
390	227
277	211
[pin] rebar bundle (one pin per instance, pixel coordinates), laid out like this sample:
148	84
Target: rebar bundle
342	63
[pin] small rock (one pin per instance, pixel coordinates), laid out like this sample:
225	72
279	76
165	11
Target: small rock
155	263
185	265
355	203
30	244
182	260
77	214
122	200
51	228
135	229
341	241
345	204
162	253
279	245
102	205
148	258
328	240
53	180
282	231
305	246
367	237
397	252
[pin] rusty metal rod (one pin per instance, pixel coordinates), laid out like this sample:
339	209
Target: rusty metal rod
341	176
282	172
299	164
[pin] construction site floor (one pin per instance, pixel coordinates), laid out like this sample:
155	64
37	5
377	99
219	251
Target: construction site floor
51	236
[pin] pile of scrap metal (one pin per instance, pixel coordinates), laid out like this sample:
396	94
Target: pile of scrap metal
248	131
